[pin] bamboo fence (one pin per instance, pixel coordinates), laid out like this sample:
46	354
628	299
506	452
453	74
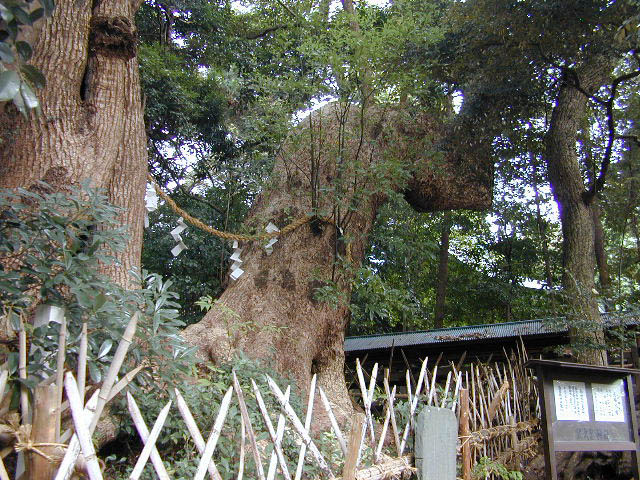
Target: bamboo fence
496	404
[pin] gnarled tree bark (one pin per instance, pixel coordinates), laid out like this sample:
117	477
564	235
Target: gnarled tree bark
339	163
91	126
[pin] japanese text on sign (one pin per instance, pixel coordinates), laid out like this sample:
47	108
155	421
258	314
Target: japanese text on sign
608	401
571	400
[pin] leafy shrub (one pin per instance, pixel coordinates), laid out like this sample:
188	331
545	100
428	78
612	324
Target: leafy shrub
486	468
54	249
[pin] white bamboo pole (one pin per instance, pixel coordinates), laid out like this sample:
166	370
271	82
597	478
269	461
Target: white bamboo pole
143	431
334	422
114	368
4	375
3	471
297	425
73	449
413	404
372	386
407	375
124	381
62	347
387	418
198	439
394	426
115	390
82	431
25	417
307	426
250	433
446	390
150	443
22	372
243	440
272	433
433	395
213	436
273	462
82	360
101	397
455	401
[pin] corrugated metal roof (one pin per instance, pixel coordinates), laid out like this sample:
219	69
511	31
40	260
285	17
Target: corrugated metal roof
472	332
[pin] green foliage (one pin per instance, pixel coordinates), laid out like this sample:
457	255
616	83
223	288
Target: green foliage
18	78
54	249
486	467
203	397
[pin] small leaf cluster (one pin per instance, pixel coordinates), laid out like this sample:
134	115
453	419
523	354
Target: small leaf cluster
54	250
18	78
487	467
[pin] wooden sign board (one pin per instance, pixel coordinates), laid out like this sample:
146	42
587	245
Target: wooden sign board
586	408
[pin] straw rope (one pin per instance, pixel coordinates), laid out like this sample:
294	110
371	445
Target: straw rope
477	438
30	446
228	235
24	443
196	222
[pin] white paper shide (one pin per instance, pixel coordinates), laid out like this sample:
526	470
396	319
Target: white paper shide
571	400
608	401
175	233
271	228
236	271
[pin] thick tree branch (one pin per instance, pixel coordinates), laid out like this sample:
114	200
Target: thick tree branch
608	104
266	31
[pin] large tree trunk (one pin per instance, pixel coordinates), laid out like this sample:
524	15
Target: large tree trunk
340	163
443	272
91	125
576	217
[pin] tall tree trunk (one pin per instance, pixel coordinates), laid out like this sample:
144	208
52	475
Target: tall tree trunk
91	126
576	217
443	272
350	159
542	229
599	248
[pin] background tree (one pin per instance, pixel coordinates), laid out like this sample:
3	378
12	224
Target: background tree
558	79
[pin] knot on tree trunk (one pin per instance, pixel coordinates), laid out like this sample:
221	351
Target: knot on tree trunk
112	37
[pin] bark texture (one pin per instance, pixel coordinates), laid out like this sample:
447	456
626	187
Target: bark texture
91	126
443	272
604	279
576	215
341	163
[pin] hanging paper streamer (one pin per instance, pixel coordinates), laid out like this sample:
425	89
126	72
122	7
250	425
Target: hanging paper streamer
236	271
150	203
175	233
270	228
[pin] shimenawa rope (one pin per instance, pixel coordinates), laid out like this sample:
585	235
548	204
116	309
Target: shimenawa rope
236	236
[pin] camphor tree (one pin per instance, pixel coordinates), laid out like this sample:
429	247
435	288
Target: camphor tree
90	124
337	167
290	308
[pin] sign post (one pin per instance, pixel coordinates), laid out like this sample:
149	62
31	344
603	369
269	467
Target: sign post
586	408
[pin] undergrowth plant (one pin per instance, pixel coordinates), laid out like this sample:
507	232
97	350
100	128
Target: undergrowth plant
55	248
487	468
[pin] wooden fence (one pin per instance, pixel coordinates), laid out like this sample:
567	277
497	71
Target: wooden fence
496	406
